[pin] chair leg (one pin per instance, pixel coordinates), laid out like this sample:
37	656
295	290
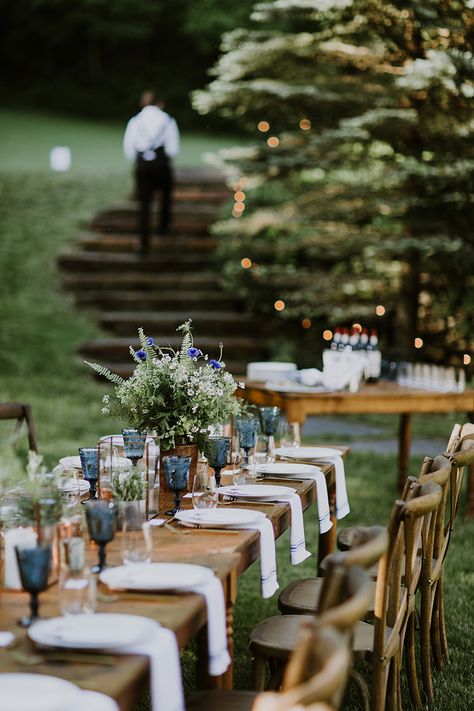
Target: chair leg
380	680
425	643
362	688
259	672
435	631
276	674
442	622
410	661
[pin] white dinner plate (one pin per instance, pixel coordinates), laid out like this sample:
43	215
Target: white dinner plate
320	453
83	486
287	469
90	631
219	518
74	462
255	491
155	576
24	692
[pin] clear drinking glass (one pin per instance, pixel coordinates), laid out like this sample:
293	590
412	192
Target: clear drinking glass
264	451
290	435
204	490
68	485
137	544
77	591
239	472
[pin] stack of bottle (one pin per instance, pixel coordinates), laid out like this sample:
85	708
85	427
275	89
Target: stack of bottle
359	347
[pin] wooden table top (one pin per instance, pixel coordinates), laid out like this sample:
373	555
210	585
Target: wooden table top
382	397
227	554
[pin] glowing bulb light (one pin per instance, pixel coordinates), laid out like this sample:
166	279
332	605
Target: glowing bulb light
306	323
418	343
279	305
327	335
380	310
263	126
246	263
357	327
273	142
239	207
239	196
305	124
466	359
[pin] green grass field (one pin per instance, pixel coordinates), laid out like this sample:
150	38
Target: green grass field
40	330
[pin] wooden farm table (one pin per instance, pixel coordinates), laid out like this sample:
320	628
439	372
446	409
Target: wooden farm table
228	554
378	398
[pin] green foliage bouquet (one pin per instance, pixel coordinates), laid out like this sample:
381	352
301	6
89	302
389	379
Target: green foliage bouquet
175	394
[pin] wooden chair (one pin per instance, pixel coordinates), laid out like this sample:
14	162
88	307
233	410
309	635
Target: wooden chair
344	599
316	674
21	413
394	611
301	597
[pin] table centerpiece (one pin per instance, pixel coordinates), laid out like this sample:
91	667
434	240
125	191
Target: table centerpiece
174	395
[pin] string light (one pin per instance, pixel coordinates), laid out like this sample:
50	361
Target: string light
327	335
306	323
418	343
305	124
357	327
466	359
239	207
236	214
273	142
246	263
380	310
239	196
279	305
263	126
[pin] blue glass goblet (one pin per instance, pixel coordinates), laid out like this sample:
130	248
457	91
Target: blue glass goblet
269	420
177	477
247	431
216	450
134	444
34	564
90	468
100	516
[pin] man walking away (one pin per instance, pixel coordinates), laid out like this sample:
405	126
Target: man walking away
151	139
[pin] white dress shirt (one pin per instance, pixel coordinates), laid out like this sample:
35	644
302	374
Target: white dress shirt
143	130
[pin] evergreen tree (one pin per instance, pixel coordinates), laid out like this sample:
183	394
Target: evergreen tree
359	190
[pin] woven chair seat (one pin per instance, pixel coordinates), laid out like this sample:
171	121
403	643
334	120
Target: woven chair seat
301	597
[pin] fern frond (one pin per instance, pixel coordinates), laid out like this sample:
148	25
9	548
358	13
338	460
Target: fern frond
106	373
146	346
187	341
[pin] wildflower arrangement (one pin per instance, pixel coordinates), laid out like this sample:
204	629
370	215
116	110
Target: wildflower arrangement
176	395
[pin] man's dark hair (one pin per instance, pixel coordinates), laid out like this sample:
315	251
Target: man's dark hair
150	97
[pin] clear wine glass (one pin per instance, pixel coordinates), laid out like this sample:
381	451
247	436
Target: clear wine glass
68	486
204	490
290	436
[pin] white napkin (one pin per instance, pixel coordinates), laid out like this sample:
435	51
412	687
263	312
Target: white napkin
297	537
6	638
165	676
93	701
322	500
342	501
219	658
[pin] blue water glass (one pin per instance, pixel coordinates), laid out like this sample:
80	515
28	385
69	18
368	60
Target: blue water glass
90	467
269	419
247	431
34	563
216	450
134	444
100	516
176	470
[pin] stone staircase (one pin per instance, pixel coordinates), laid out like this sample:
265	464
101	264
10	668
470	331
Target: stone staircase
177	281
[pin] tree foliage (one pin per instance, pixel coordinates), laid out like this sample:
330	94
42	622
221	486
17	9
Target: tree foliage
367	198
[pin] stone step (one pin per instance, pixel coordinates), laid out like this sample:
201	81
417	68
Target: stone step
207	323
157	264
192	224
139	281
212	195
205	178
116	350
175	300
94	242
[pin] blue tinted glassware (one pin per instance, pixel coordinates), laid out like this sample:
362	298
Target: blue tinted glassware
176	471
216	450
269	419
90	468
100	516
34	563
247	431
134	444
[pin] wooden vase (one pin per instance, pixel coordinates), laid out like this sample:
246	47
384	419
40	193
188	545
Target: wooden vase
181	450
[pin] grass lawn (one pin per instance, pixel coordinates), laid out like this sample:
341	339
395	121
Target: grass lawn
40	330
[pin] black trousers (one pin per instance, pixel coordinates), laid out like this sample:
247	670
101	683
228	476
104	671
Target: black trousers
152	176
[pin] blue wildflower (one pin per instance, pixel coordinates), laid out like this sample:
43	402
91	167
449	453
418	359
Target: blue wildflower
215	364
150	341
194	352
141	354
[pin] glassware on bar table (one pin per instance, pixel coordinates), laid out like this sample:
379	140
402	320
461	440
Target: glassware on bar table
204	490
134	444
100	515
176	473
136	542
90	468
34	563
216	450
290	435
